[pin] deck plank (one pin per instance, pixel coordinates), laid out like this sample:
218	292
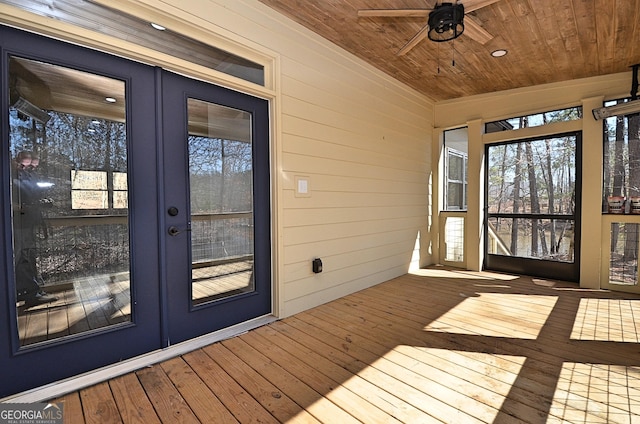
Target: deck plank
497	372
99	406
254	371
412	386
72	408
322	358
132	401
362	409
235	398
164	396
200	399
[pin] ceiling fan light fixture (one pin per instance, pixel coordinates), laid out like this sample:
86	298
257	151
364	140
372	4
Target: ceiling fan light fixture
445	22
157	26
499	53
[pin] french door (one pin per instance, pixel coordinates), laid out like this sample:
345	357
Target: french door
135	209
532	221
216	195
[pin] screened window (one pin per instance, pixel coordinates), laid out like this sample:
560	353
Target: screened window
456	180
456	159
621	193
621	167
534	120
454	239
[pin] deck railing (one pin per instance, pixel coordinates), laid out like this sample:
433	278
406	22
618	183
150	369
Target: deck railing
75	247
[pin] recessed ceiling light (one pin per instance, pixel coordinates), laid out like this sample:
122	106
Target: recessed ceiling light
157	26
110	99
498	53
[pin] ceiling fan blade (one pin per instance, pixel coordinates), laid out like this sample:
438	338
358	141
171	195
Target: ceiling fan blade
421	35
394	13
471	5
474	30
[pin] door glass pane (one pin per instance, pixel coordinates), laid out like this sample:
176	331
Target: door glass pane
67	142
221	193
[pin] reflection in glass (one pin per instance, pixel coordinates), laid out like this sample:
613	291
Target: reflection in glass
69	197
221	190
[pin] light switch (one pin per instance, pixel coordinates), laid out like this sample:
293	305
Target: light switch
302	186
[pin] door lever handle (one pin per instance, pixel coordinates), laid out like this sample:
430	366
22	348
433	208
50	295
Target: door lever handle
174	231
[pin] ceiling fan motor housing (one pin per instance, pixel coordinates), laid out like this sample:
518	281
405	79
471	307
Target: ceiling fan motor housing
445	22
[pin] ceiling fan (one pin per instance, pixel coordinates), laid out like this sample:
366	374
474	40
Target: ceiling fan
445	22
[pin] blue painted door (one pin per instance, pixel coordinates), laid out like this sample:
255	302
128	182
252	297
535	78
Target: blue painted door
217	203
135	209
80	267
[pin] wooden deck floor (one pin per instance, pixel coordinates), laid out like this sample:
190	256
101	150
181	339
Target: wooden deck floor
435	346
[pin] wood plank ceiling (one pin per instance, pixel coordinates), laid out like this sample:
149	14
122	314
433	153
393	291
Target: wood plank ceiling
547	41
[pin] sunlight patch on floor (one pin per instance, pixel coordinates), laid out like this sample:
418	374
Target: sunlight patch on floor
446	384
496	315
613	320
597	393
453	274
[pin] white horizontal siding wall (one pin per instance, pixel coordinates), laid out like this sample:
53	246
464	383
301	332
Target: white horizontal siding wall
367	171
363	141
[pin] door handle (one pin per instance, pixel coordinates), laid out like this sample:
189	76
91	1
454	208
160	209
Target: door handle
174	231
